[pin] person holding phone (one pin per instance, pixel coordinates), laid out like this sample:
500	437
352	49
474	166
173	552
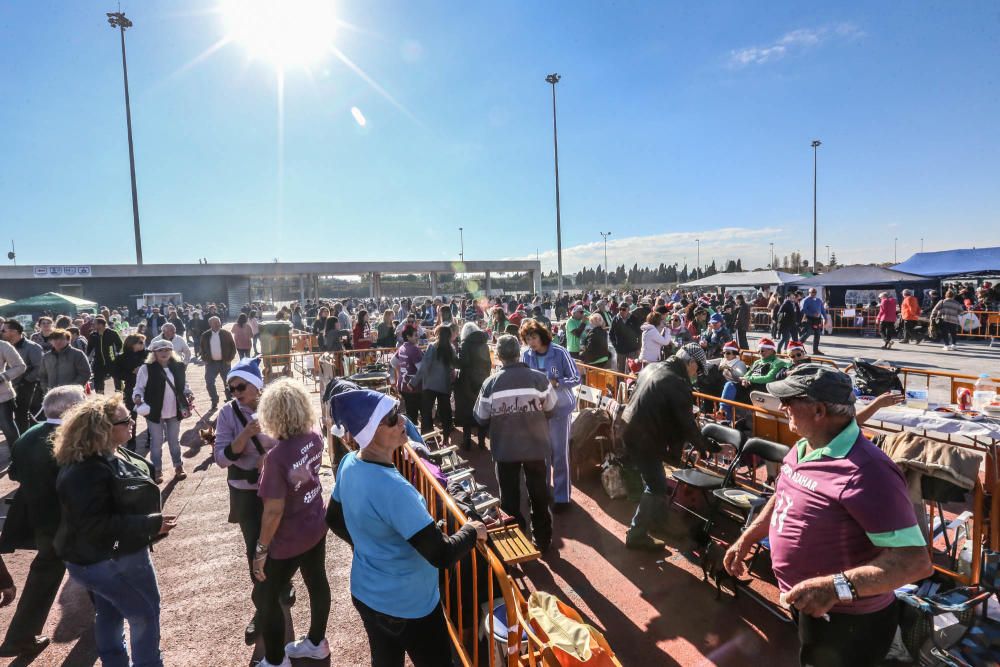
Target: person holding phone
110	515
398	547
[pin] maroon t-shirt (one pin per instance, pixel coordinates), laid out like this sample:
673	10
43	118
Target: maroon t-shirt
291	471
834	514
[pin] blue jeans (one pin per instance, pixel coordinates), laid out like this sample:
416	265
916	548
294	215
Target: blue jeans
124	588
729	391
654	495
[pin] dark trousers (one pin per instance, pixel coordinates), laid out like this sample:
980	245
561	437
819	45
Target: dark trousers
509	480
888	331
215	369
425	639
948	332
847	640
742	340
44	577
412	401
7	425
787	335
26	405
101	375
245	509
428	399
910	331
279	573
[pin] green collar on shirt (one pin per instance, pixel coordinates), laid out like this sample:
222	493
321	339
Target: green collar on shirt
837	448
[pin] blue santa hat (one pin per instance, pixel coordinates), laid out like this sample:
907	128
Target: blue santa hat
361	411
249	370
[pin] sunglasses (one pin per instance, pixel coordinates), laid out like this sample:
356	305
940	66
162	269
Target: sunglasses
122	422
729	354
242	386
392	418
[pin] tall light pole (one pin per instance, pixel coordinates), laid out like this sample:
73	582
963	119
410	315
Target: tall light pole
921	244
605	235
815	144
554	79
772	256
698	267
828	258
895	245
461	245
119	20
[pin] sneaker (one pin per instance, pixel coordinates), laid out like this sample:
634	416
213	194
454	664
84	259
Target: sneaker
952	348
303	648
945	348
29	647
250	633
284	663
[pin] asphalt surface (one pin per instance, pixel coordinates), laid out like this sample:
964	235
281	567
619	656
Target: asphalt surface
654	610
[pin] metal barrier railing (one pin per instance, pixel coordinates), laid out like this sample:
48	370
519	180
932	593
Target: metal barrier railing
863	320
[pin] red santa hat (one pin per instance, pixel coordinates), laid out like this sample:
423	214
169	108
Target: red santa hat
796	345
766	344
731	346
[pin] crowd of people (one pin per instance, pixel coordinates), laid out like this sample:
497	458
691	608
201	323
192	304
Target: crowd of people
74	440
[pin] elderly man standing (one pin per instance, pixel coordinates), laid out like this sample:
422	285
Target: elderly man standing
218	349
842	530
180	345
813	319
659	422
34	468
514	403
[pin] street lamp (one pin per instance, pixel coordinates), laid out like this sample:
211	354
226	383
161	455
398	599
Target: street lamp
461	242
828	258
895	245
815	144
554	79
605	235
698	267
120	21
921	244
771	265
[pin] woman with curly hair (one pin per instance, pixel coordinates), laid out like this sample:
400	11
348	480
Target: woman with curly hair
293	527
110	516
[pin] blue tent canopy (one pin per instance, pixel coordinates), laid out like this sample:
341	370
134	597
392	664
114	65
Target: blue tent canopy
964	262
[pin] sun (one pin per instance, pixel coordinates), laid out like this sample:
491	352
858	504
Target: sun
284	33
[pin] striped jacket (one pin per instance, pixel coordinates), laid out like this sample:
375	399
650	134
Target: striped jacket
513	403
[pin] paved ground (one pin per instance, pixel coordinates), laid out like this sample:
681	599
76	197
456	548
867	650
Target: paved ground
653	611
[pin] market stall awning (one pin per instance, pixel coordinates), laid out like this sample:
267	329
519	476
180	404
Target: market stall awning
860	275
764	278
962	262
50	301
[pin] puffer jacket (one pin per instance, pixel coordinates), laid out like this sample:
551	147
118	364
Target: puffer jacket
61	368
653	341
110	507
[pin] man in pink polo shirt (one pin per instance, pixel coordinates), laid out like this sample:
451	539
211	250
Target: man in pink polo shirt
842	530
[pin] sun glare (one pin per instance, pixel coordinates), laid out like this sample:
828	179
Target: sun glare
285	33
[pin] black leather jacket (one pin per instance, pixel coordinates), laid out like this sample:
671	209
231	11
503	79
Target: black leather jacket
110	507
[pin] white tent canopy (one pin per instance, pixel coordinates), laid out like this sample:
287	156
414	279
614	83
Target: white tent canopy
766	278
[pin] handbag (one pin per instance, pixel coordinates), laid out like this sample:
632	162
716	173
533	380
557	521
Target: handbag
183	402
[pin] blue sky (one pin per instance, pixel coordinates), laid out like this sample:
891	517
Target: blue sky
677	121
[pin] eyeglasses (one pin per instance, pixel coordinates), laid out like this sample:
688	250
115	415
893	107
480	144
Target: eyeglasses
242	386
796	355
392	418
122	422
733	354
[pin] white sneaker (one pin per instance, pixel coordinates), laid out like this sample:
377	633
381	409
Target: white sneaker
303	648
952	348
945	348
284	663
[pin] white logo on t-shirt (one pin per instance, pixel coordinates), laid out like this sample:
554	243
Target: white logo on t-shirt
782	503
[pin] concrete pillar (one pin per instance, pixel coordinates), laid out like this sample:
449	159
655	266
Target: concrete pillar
536	281
377	282
302	288
489	284
434	284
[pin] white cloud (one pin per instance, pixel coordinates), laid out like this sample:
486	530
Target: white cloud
749	245
792	42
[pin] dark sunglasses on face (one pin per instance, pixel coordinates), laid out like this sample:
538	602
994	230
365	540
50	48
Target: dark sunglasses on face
392	418
122	422
242	386
728	354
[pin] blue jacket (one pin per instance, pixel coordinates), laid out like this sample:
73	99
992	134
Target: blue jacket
812	306
566	374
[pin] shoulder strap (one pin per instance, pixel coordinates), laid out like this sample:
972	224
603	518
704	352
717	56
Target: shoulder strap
243	420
